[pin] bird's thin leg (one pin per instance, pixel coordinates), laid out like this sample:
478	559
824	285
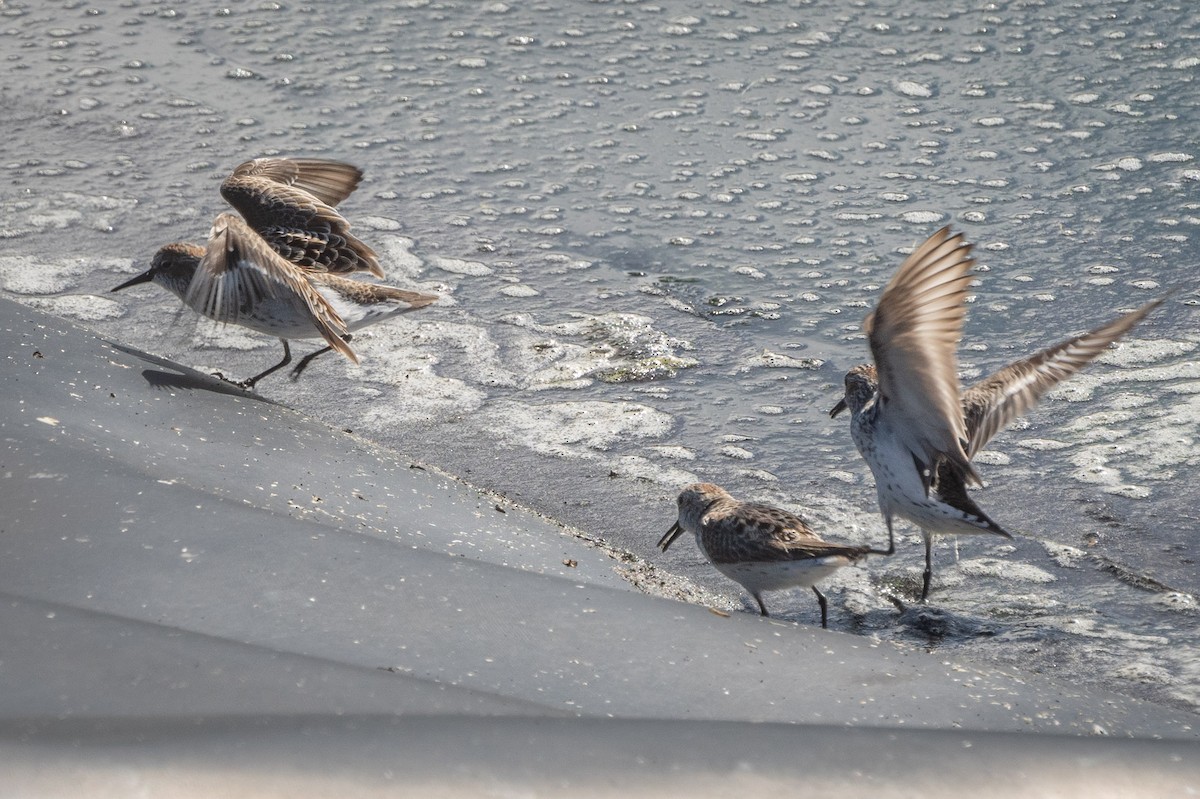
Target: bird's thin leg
824	608
761	607
287	358
928	576
307	359
891	550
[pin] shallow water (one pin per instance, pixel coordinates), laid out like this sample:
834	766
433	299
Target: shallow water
657	227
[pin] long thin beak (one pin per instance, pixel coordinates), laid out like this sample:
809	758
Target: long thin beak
841	406
670	537
144	277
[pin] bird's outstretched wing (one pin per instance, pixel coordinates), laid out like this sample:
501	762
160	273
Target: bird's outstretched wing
914	333
992	403
239	273
290	203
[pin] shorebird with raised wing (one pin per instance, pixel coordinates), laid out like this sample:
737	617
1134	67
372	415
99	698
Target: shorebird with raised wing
281	270
909	419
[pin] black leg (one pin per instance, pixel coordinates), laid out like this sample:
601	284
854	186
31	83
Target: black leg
761	607
928	566
307	359
287	358
891	550
824	608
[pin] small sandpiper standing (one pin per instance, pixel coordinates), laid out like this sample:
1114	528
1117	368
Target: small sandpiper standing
760	546
908	419
281	272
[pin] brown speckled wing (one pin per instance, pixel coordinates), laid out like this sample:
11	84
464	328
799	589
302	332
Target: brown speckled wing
366	293
239	270
992	403
737	532
289	202
914	333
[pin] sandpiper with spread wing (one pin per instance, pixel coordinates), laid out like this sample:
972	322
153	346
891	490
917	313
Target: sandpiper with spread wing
280	268
914	427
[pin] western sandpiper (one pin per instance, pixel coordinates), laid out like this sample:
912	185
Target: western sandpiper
909	420
275	276
760	546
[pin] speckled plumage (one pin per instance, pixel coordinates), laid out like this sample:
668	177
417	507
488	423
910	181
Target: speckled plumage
916	452
244	275
762	547
289	202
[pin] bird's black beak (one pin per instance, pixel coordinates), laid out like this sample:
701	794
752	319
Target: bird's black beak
841	406
144	277
670	537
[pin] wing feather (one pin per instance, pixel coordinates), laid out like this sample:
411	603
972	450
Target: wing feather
239	271
290	203
914	333
754	532
327	180
370	293
991	404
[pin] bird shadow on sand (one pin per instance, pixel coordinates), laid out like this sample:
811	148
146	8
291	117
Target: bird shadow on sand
177	376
